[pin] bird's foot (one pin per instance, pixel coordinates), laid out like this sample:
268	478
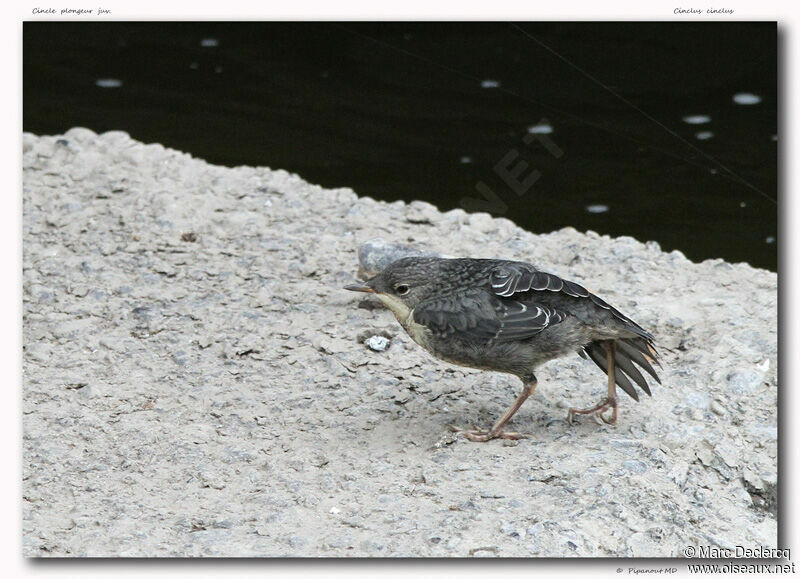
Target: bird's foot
478	435
597	411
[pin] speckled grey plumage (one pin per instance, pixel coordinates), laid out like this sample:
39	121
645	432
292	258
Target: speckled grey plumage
510	316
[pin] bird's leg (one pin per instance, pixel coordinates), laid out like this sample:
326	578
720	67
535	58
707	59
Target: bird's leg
497	430
609	401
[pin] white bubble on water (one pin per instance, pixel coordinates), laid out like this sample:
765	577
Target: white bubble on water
703	135
490	83
540	129
696	119
597	208
108	82
746	98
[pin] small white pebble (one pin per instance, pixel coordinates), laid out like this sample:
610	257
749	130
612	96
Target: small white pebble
377	343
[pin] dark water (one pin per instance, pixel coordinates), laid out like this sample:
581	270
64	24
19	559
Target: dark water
431	110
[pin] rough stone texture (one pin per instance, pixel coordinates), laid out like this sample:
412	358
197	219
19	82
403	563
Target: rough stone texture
376	254
197	383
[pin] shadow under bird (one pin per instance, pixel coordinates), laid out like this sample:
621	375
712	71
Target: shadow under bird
508	316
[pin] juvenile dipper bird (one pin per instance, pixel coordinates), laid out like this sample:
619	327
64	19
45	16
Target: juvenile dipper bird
508	316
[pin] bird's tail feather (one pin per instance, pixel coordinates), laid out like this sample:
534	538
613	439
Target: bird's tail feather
627	352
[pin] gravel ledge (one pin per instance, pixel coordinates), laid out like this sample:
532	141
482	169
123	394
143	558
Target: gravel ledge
196	383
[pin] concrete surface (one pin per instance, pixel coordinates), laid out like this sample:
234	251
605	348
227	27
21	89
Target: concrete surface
197	383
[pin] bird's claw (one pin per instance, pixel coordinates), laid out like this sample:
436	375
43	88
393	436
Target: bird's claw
612	420
478	435
597	411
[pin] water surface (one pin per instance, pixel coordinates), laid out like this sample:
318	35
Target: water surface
662	131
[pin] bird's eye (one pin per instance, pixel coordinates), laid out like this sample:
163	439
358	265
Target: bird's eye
402	289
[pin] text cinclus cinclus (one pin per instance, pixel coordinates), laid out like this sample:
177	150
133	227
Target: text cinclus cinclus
508	316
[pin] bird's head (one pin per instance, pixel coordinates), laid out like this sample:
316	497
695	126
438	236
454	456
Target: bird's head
403	284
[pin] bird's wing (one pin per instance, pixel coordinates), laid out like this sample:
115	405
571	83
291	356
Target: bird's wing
524	319
480	316
469	315
512	278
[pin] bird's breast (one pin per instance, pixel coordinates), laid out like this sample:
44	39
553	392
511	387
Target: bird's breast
405	316
418	332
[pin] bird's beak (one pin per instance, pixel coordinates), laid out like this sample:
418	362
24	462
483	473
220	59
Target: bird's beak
359	288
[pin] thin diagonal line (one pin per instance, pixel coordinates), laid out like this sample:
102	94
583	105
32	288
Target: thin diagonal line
566	114
645	114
